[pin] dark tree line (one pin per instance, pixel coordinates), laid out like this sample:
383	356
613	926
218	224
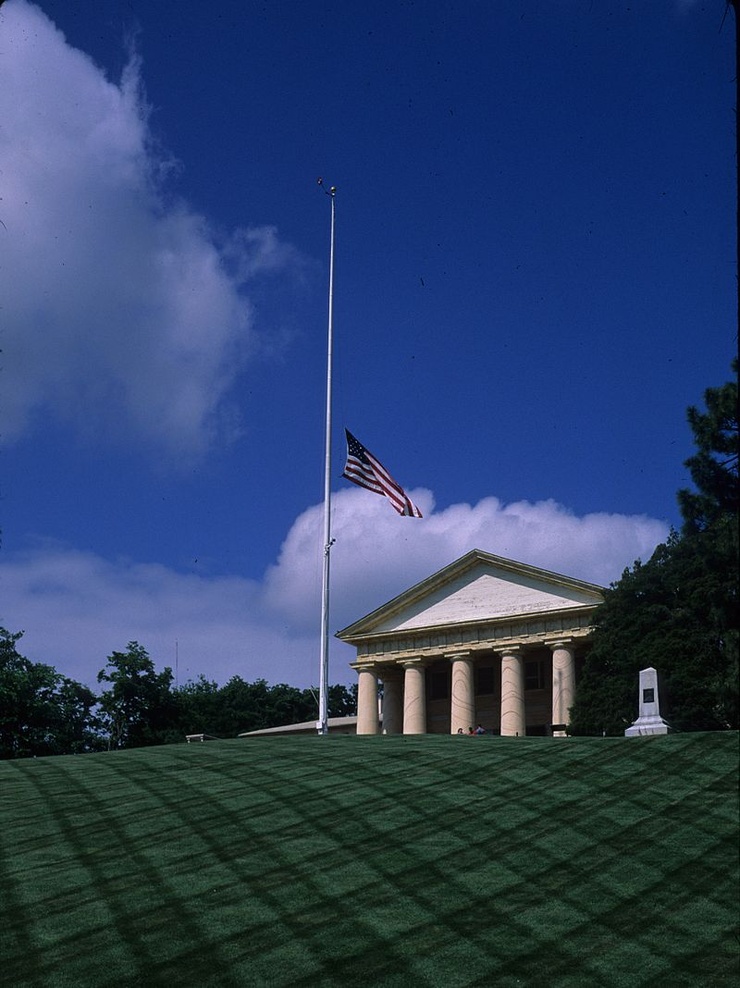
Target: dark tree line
678	612
45	713
41	712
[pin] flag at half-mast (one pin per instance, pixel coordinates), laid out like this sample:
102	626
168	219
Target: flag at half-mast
364	470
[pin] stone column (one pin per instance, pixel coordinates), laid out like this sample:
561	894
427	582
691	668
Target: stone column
563	685
367	700
414	698
462	709
512	693
392	702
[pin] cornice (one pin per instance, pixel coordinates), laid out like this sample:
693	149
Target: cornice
559	615
532	631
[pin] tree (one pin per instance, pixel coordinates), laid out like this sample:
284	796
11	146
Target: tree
79	728
678	611
342	701
242	706
239	706
654	616
714	466
710	534
199	706
41	712
45	713
139	708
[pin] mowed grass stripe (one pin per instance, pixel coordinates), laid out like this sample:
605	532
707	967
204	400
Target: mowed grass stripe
328	861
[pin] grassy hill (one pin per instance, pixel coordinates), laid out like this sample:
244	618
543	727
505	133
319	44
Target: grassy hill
374	861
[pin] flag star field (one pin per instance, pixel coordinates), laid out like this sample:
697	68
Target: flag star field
365	470
535	276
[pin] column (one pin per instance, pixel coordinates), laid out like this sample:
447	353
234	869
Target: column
392	702
462	709
367	700
414	698
563	685
512	693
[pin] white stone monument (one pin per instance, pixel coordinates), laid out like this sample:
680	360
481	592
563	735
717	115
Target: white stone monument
649	720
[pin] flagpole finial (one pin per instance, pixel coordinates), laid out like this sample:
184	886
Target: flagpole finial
332	191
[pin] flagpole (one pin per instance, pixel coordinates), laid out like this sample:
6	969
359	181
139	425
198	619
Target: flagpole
322	725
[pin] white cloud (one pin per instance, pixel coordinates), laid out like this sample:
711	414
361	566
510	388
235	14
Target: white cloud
379	554
77	607
122	311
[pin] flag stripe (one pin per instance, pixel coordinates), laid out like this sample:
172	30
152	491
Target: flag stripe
363	469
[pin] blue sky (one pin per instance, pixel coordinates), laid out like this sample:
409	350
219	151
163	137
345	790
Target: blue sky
535	276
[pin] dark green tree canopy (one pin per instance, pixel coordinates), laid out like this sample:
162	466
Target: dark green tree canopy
41	711
679	611
239	706
714	466
45	713
138	707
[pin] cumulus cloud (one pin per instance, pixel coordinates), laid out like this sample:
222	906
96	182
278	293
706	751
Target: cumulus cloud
78	607
379	554
123	312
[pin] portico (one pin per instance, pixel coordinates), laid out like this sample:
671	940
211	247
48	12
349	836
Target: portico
485	640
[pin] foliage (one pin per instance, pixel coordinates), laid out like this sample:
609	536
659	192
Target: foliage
78	727
199	707
342	701
238	706
678	611
202	707
656	615
45	713
714	466
139	707
41	712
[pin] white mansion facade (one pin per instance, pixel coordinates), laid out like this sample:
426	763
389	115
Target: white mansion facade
485	640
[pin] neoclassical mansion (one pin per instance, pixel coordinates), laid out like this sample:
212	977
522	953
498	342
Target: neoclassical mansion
485	640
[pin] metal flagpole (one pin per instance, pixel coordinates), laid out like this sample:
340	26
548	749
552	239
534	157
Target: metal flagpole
322	724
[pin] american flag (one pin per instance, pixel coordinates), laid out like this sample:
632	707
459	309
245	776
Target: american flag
364	470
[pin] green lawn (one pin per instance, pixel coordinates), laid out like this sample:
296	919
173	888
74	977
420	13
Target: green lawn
407	861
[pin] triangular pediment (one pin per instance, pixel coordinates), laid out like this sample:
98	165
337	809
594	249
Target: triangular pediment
478	587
